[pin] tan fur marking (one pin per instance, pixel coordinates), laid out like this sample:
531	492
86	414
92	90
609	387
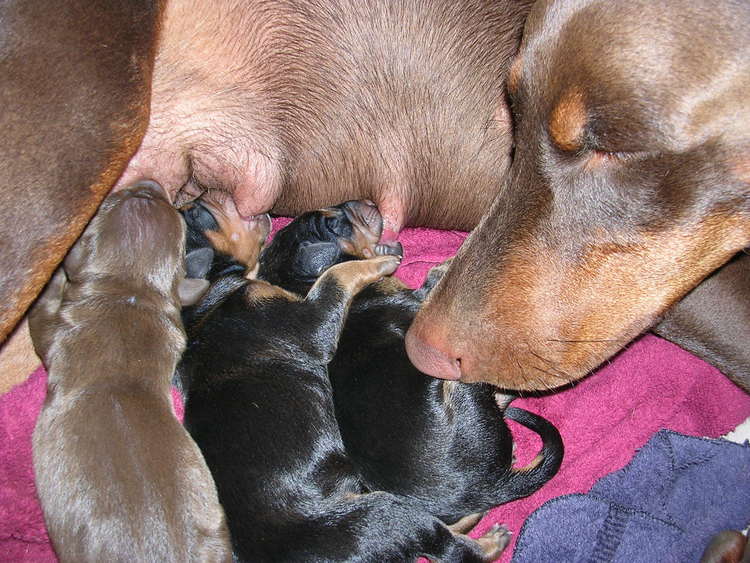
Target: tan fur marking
448	388
568	119
362	242
354	275
391	285
533	464
592	307
235	238
259	290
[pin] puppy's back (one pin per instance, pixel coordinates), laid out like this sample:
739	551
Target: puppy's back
118	476
110	495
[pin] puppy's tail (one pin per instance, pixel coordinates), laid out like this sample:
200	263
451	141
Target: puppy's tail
527	480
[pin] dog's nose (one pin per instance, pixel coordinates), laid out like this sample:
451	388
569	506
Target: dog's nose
425	353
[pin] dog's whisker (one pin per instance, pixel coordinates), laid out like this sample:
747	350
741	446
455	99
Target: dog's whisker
586	340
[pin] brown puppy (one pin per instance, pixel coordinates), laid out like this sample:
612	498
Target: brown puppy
118	476
630	184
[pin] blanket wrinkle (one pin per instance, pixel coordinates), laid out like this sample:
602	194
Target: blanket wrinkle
604	419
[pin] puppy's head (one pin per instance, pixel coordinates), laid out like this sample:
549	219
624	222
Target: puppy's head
136	235
316	240
219	241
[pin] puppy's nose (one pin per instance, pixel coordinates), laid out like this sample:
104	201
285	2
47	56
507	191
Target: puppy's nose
427	356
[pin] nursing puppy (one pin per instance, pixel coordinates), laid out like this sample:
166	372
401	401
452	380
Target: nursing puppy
259	404
443	444
118	477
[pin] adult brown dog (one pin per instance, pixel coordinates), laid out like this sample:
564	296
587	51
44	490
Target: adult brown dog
283	104
74	96
118	476
630	184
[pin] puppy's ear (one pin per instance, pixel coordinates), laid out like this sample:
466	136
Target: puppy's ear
190	290
314	258
73	261
198	262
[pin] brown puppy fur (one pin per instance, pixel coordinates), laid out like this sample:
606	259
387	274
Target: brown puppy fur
74	98
118	476
629	185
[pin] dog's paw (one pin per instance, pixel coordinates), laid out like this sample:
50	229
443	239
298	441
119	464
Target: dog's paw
389	248
386	264
354	275
494	541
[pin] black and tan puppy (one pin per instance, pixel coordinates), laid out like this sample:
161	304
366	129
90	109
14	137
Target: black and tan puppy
444	444
118	477
259	404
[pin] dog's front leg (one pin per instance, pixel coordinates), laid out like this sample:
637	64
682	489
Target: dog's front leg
333	293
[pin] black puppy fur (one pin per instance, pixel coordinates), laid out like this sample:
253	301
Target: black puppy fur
259	405
443	444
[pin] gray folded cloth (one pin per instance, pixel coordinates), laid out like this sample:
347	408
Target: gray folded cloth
664	506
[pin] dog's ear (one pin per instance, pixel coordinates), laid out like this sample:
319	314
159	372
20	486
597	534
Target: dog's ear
75	258
198	262
314	258
190	290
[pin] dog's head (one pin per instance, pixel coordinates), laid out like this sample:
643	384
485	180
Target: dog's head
135	236
219	241
316	240
630	183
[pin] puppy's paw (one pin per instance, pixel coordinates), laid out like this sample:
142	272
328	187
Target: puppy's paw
494	541
355	275
389	248
385	265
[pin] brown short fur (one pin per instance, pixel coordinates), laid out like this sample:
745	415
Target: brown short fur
626	190
118	476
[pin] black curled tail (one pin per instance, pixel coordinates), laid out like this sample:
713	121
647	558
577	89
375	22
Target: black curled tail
524	481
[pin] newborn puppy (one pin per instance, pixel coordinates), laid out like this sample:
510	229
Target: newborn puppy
260	407
445	445
118	477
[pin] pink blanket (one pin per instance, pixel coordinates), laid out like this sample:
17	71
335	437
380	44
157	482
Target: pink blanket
603	420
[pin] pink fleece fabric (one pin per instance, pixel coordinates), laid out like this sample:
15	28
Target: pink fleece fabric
604	419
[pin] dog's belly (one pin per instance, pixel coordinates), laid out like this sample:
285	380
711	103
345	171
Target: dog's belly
292	107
